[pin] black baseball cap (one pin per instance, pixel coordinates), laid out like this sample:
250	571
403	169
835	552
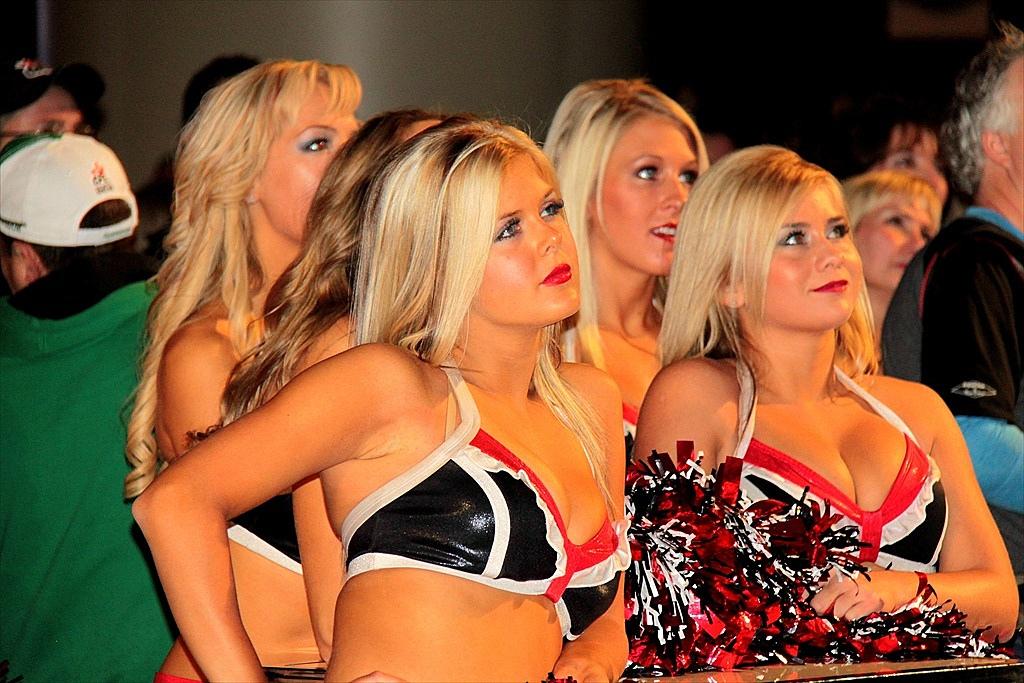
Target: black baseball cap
23	81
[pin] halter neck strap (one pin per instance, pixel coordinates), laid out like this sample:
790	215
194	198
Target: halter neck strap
883	410
747	407
469	416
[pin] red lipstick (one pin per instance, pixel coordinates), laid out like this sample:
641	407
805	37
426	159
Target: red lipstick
666	232
561	274
834	286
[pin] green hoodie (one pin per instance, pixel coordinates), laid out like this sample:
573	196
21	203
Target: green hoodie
80	599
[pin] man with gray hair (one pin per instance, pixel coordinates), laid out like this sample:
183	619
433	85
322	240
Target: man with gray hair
967	294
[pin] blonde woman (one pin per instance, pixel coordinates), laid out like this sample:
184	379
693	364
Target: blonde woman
769	357
308	311
626	156
247	167
454	452
308	321
893	215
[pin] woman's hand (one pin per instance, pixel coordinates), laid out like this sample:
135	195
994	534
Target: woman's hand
583	669
854	597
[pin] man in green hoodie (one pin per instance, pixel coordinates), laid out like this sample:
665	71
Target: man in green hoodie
80	599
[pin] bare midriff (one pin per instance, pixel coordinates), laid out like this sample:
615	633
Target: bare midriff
272	602
423	625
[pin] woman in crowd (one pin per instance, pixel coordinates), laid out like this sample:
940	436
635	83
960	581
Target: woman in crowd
893	215
770	320
466	267
247	167
626	156
307	321
310	299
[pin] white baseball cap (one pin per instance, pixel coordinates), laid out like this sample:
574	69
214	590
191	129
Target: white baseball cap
48	185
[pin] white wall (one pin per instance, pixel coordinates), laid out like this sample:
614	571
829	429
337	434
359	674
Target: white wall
499	57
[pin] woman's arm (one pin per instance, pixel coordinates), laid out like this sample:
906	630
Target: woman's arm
974	569
193	372
690	400
600	652
320	419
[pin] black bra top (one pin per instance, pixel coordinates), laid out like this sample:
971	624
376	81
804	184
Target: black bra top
472	509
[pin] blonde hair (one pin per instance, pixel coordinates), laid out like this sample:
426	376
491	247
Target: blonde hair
316	290
868	191
427	229
728	231
211	255
589	121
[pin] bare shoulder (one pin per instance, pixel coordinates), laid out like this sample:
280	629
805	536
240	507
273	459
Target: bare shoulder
699	380
194	369
384	376
918	405
199	348
693	400
897	389
596	385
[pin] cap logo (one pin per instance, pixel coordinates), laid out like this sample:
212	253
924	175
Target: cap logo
30	68
10	225
99	179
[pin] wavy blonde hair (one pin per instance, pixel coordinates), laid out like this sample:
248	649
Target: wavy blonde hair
316	290
728	231
427	230
866	192
211	254
589	121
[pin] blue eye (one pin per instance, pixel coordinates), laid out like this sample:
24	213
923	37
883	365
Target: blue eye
509	230
317	144
688	177
552	208
647	173
839	230
793	238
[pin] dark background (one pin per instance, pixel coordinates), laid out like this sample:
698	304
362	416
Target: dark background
781	72
756	72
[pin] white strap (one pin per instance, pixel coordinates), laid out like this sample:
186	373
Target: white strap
883	410
746	407
469	425
468	412
245	538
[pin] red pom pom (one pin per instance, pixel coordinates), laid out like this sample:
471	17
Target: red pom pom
717	582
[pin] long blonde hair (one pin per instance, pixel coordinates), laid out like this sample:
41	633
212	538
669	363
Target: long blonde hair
211	254
316	290
427	230
589	121
725	241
